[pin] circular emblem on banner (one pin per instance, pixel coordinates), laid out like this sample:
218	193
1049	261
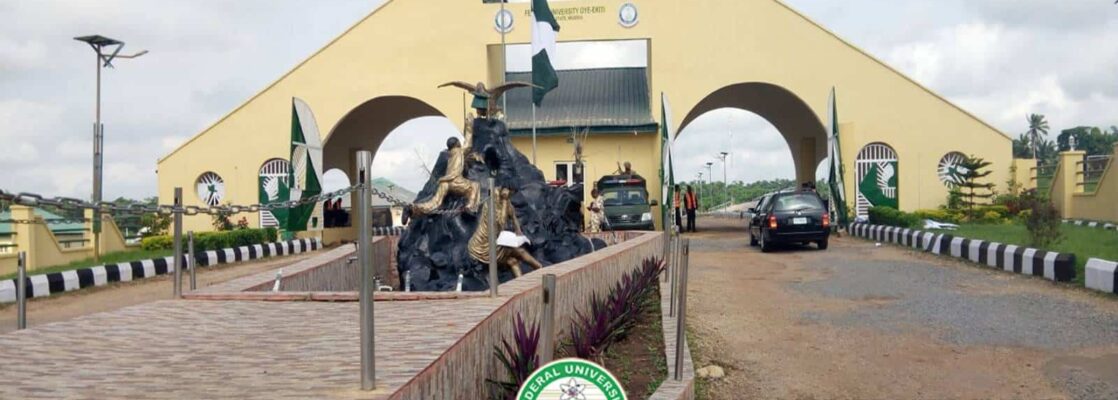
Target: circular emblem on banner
502	22
951	171
571	379
628	15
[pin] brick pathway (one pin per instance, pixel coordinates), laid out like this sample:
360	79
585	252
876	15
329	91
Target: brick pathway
228	349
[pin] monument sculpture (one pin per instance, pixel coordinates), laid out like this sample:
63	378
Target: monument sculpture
448	235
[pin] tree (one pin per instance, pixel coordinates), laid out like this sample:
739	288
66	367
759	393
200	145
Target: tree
1038	127
975	192
1094	141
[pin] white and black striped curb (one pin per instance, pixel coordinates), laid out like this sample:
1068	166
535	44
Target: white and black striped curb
388	230
1054	266
1102	275
43	285
1092	224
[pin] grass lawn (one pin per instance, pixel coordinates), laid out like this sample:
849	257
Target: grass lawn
1082	241
110	258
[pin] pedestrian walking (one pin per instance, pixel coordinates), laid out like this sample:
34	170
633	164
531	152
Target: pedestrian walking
691	203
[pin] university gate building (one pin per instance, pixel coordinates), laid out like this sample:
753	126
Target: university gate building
756	55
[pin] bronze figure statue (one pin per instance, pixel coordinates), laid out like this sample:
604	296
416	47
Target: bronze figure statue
454	181
506	256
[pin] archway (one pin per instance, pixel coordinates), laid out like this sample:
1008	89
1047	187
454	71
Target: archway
796	122
367	125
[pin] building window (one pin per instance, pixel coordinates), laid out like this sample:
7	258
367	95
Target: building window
210	188
569	171
876	178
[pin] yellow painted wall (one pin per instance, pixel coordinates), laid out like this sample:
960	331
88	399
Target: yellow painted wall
1069	197
405	49
43	248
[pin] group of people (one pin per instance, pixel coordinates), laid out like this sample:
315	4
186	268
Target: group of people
690	206
683	203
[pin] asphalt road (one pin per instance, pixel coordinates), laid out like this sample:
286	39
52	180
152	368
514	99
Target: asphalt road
866	322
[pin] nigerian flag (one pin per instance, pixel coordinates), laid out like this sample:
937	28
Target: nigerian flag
543	50
667	174
306	166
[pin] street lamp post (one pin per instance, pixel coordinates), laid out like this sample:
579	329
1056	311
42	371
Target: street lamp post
710	180
725	179
701	196
98	43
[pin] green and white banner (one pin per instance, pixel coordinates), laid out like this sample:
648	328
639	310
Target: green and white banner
834	151
544	35
306	166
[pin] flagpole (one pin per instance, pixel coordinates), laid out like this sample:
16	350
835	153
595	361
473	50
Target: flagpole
504	58
534	135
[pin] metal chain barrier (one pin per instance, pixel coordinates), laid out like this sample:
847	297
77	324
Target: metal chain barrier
104	207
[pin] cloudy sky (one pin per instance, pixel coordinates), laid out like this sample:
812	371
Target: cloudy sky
1000	59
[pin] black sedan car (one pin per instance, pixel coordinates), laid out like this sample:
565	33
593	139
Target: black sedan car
790	217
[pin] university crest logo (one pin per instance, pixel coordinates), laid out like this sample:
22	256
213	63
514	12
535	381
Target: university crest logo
571	379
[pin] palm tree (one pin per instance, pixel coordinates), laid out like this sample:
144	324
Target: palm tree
1037	127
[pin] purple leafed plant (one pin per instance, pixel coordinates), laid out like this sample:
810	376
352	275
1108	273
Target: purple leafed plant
609	319
519	359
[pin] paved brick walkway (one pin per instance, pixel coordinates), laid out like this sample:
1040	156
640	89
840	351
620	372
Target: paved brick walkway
228	349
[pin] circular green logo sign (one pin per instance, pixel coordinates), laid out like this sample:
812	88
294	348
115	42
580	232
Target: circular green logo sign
571	379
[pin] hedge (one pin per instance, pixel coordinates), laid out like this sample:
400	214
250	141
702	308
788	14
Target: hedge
214	240
893	217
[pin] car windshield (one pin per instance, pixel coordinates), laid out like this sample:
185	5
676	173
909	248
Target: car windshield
624	197
797	202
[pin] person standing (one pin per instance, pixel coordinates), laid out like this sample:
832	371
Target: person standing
691	203
597	212
678	212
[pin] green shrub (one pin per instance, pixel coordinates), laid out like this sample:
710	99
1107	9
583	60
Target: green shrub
992	217
151	243
1043	224
938	215
893	217
1001	210
206	241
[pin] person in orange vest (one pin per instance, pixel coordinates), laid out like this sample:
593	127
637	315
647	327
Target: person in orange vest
691	203
678	212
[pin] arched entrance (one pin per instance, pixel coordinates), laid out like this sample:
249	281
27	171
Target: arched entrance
796	122
367	125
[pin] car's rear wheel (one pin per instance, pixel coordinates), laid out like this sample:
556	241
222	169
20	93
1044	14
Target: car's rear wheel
822	244
766	246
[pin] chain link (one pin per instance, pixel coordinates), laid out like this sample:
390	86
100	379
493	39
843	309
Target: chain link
104	207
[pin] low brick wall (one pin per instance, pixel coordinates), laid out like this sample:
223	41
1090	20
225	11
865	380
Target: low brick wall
1054	266
461	371
672	389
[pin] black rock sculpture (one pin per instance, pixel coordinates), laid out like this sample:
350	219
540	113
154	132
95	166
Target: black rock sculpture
433	247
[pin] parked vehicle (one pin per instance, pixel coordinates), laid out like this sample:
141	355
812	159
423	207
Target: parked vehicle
790	217
626	202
